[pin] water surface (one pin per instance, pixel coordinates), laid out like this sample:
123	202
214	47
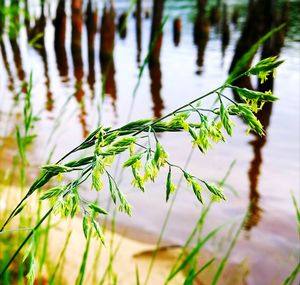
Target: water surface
71	69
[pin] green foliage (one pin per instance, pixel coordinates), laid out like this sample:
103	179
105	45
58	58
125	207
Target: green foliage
97	209
265	67
170	185
31	271
245	93
192	254
250	119
239	69
192	275
224	115
146	164
53	192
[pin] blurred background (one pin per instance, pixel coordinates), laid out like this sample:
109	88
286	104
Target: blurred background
86	59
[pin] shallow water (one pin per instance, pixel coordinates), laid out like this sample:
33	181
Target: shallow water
67	95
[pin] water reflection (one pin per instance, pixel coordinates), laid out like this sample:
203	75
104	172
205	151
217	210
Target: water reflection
14	23
11	84
225	32
77	21
91	25
201	33
18	62
39	32
235	15
3	49
138	29
176	31
106	53
59	40
156	39
214	15
122	25
265	14
158	63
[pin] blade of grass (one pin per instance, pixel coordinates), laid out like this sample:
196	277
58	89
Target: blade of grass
45	246
137	275
193	253
292	277
81	273
61	256
200	223
190	279
166	220
244	60
227	255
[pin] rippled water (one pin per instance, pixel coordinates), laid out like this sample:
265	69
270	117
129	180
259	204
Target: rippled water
67	87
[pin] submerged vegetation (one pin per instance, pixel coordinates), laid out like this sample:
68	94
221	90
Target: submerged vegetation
55	201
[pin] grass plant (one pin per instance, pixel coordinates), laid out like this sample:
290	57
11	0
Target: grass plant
146	157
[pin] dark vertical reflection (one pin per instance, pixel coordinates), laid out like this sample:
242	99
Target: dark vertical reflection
176	31
138	29
13	33
266	18
27	17
272	47
17	58
59	40
2	47
250	34
155	76
214	16
156	33
154	58
39	32
7	67
91	24
235	15
77	60
122	25
42	6
201	33
224	30
106	53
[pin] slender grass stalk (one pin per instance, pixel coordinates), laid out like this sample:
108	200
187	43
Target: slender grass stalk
31	233
6	276
45	246
296	271
111	253
191	277
147	58
84	176
164	226
200	223
96	262
137	276
193	253
231	247
292	277
61	256
108	267
81	273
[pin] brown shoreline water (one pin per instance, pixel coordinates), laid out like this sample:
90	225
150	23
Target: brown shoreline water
265	172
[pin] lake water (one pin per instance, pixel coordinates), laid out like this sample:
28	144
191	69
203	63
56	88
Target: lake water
67	87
